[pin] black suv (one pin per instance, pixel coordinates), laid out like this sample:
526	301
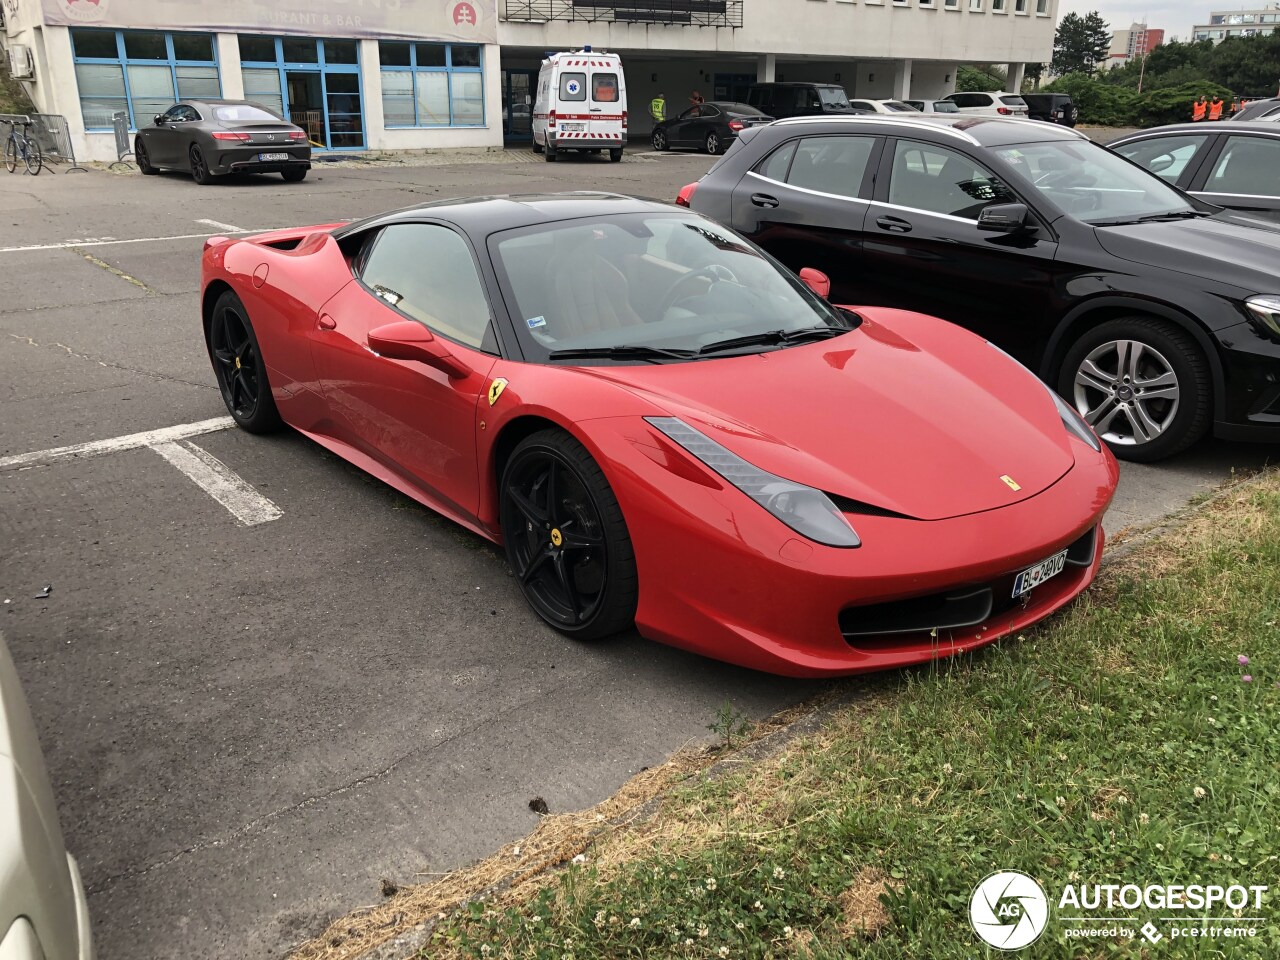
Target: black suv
1051	107
800	99
1155	316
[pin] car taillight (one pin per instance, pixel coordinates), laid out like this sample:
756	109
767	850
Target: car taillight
551	119
686	194
226	135
1003	111
736	125
297	135
624	119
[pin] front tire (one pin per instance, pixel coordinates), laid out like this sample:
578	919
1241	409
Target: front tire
566	539
10	155
144	160
659	140
239	367
712	144
1142	384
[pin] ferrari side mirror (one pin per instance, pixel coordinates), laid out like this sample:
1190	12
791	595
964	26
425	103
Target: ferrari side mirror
407	340
817	281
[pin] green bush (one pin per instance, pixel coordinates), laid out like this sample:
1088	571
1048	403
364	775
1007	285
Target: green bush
1109	105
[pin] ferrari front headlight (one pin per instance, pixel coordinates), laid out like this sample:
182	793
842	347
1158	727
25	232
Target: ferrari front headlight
807	511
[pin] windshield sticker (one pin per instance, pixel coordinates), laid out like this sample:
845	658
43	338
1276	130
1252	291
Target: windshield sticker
536	322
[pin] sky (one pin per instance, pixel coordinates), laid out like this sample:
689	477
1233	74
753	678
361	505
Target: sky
1175	17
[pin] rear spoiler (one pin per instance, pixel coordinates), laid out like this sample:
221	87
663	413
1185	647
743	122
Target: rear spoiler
286	238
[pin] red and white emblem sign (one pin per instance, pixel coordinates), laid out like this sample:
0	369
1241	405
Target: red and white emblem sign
464	15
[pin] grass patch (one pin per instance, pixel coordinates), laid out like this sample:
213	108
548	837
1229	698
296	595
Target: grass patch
1119	743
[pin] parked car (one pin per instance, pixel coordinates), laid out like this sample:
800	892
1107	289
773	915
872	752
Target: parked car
43	913
210	138
1235	166
800	99
1152	312
1051	107
933	106
638	458
710	126
883	106
1268	109
994	104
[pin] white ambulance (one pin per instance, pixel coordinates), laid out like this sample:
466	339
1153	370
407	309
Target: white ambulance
581	104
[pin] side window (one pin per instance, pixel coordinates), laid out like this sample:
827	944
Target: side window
1166	157
426	271
776	165
709	111
1247	166
174	114
831	164
939	180
604	87
573	86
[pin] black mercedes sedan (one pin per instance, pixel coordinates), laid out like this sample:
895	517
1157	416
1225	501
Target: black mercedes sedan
1154	313
710	126
212	138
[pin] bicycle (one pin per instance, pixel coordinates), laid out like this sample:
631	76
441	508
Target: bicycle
22	145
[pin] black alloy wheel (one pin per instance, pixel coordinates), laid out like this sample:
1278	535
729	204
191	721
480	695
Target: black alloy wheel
237	363
713	143
566	539
200	167
659	140
144	161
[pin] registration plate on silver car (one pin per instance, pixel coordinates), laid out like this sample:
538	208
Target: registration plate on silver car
1032	577
273	156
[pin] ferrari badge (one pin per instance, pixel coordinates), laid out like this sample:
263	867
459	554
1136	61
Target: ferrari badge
1009	481
495	390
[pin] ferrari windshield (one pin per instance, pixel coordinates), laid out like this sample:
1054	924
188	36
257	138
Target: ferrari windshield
652	287
1093	184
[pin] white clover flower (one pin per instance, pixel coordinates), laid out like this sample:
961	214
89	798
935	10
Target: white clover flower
1062	757
688	941
1213	722
535	919
703	931
1199	793
1144	818
485	949
580	858
946	768
740	925
711	883
635	923
722	952
757	905
788	932
1061	801
1214	697
778	873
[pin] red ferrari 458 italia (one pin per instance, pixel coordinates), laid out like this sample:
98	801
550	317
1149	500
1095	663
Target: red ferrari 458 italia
665	427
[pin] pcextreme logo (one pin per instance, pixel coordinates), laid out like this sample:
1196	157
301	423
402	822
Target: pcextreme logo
1009	910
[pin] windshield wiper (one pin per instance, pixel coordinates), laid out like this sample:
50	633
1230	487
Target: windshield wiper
770	337
1154	218
626	351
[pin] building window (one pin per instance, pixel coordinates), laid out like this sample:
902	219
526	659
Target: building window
975	6
925	3
432	84
951	4
1042	8
141	73
314	83
997	6
1019	6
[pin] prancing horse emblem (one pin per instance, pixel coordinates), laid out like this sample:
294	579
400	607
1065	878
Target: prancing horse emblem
495	390
1011	483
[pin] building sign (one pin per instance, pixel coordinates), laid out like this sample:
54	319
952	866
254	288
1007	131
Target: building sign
474	21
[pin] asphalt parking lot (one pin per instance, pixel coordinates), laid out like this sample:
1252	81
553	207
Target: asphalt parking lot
265	681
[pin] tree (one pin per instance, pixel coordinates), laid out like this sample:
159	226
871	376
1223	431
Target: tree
1080	44
979	78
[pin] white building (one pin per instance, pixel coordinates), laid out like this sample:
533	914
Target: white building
1238	23
416	74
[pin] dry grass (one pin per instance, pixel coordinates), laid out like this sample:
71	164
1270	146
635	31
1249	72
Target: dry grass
864	913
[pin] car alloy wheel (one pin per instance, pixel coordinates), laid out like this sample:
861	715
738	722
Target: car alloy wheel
659	140
565	537
713	144
238	366
199	167
1141	384
144	161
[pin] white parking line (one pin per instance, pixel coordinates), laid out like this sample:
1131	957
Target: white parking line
219	481
225	227
132	441
109	243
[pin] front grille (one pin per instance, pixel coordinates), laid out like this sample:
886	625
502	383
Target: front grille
954	609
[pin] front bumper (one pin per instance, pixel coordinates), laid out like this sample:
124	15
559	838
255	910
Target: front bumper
245	159
1251	382
721	577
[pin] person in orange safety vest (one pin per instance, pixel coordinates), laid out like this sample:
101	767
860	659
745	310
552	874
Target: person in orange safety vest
1199	108
1215	109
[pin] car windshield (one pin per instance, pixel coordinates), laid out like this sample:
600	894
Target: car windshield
1093	184
945	106
651	286
243	111
833	97
897	106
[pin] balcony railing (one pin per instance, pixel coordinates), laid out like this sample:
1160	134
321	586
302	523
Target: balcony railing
692	13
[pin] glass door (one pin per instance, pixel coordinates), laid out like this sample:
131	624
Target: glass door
518	88
313	83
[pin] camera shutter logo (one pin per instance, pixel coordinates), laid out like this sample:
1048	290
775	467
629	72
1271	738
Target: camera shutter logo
1009	910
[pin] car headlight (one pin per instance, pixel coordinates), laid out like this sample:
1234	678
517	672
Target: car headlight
1071	418
1265	311
805	510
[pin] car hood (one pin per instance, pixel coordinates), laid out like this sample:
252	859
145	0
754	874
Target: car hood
875	417
1218	248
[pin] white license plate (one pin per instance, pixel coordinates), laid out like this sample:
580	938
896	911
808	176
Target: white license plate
1032	577
273	156
574	127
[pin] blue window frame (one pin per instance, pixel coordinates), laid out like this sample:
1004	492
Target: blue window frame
315	83
142	72
432	84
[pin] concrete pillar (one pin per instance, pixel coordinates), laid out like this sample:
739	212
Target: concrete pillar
1016	71
229	65
766	67
902	80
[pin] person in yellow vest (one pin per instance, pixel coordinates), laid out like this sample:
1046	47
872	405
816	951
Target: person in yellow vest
658	108
1215	108
1199	108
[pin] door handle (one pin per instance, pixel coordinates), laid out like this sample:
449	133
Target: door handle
327	322
764	200
894	224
